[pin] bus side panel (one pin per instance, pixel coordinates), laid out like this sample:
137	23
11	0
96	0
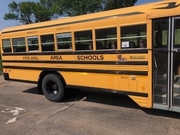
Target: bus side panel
121	83
107	81
141	101
23	75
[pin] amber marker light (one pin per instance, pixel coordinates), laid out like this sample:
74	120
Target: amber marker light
142	87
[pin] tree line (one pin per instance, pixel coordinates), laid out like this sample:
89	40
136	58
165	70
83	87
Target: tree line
44	10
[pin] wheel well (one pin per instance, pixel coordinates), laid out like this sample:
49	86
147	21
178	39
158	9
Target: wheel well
43	74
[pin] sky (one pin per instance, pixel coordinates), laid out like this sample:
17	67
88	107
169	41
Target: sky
9	23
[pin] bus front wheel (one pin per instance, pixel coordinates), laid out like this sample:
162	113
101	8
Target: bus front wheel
53	87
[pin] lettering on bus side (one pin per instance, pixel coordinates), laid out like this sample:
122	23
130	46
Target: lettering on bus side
137	57
90	57
30	58
32	32
56	57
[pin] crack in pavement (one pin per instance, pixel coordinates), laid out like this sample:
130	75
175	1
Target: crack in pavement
4	82
171	129
51	115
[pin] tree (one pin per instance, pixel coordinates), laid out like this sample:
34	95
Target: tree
41	13
44	10
79	7
52	5
73	7
27	12
114	4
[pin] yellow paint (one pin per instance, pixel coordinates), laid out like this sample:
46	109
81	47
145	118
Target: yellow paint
119	82
141	101
27	75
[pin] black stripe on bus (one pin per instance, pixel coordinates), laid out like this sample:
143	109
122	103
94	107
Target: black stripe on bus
109	91
143	73
130	51
145	63
74	22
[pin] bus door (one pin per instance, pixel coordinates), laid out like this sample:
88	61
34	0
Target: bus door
166	63
175	64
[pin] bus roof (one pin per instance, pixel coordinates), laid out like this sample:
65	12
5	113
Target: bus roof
161	7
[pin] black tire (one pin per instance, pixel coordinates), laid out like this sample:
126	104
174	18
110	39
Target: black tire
53	88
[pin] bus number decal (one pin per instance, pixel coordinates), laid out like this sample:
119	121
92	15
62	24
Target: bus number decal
90	57
124	77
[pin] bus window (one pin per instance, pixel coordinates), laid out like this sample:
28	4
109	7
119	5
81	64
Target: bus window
6	44
83	40
19	44
161	34
33	44
177	33
47	42
133	37
64	41
106	38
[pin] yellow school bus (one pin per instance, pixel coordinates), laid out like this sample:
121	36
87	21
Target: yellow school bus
133	51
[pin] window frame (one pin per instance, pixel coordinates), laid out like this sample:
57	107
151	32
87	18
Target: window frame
30	37
14	46
81	41
137	37
71	42
107	39
48	43
2	47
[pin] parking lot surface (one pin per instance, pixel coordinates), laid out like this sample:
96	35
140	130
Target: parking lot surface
25	112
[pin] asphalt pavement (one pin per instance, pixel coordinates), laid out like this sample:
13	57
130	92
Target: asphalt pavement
25	112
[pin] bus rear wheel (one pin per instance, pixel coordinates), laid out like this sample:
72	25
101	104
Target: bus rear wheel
53	87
